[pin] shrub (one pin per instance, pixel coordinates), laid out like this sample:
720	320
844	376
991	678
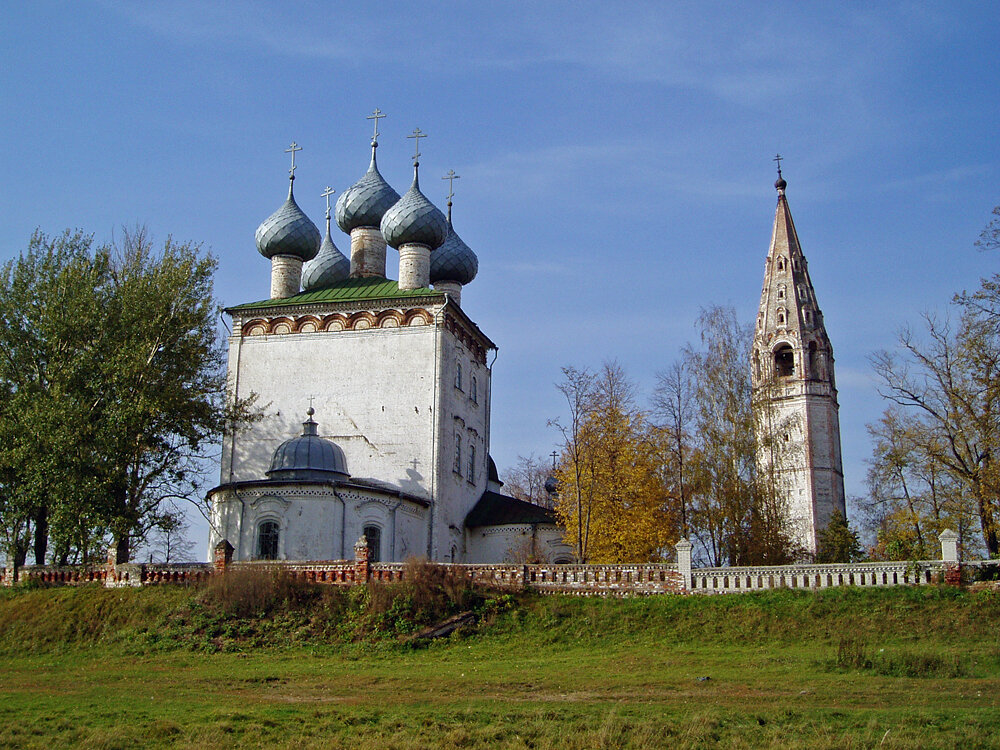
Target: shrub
255	591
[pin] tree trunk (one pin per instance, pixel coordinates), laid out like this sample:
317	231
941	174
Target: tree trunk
41	534
122	551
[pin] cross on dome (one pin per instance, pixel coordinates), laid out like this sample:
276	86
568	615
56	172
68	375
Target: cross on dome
778	158
326	194
451	177
416	136
291	150
376	116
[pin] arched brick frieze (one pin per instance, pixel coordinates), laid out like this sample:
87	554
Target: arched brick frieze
334	322
255	327
417	317
361	321
307	324
280	325
389	319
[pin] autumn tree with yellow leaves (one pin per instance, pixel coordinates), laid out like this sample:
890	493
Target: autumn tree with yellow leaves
611	500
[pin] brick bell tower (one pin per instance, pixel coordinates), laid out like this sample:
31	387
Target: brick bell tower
792	371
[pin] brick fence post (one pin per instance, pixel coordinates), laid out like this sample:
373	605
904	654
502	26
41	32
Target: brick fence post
223	556
684	548
362	561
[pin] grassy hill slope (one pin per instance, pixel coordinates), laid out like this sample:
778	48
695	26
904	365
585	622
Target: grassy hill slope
895	668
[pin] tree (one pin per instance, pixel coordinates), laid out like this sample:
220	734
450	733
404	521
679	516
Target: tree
837	542
526	480
913	497
115	372
50	315
612	476
738	503
951	380
674	407
576	389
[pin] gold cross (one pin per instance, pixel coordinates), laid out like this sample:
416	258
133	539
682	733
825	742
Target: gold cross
451	177
416	136
376	116
291	150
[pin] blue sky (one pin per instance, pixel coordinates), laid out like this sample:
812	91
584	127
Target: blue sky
615	158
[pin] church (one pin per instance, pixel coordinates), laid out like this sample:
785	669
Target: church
375	395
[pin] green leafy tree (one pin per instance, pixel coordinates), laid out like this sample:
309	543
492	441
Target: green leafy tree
117	389
837	542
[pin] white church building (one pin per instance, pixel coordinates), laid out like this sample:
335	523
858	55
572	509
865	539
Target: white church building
375	396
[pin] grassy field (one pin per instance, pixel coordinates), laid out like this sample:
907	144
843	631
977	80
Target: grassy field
903	668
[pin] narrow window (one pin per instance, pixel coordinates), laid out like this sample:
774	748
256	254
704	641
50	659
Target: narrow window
474	390
267	541
373	535
458	375
457	468
454	552
471	473
781	292
781	264
781	317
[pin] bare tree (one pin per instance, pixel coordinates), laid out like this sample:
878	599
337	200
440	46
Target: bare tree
674	407
577	389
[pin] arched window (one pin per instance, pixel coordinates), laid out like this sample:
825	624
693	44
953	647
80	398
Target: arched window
784	361
781	316
471	473
457	468
474	390
781	264
812	359
781	292
458	375
373	535
267	540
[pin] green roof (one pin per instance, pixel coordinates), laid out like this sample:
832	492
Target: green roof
352	290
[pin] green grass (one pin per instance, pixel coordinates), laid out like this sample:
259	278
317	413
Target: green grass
900	668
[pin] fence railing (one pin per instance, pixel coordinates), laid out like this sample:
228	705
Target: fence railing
643	578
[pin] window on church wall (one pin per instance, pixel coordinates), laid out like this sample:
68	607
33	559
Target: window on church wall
470	473
781	292
474	390
781	316
458	375
784	361
457	468
781	264
267	540
373	536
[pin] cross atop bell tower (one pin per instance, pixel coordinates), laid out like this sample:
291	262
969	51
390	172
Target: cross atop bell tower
792	372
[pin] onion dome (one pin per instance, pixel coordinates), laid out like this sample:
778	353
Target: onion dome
308	456
414	220
329	266
454	260
551	485
288	231
364	203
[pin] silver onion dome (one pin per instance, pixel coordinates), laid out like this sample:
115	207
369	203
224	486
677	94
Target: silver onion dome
364	203
453	260
414	220
308	456
288	231
328	267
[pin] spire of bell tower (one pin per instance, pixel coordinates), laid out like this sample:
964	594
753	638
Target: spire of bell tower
792	372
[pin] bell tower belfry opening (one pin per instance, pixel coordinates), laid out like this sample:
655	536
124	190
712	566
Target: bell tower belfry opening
793	375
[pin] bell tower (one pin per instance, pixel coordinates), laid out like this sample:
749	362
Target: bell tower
792	372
